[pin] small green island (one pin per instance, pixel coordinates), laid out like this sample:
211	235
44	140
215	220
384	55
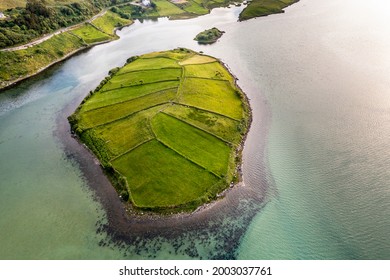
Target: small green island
168	129
209	36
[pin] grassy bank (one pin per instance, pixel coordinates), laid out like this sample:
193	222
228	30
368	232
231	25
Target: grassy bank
8	4
259	8
175	8
20	64
167	129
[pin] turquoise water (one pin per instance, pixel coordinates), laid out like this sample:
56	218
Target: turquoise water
329	138
315	162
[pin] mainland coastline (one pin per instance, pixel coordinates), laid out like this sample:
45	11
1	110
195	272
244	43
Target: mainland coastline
254	9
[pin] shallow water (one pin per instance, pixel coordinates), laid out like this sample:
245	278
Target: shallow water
317	77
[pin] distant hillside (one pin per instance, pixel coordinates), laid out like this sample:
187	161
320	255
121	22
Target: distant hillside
9	4
39	17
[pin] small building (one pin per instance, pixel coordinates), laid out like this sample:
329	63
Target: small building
146	3
2	15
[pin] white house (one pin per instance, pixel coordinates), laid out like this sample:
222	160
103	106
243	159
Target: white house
2	15
146	3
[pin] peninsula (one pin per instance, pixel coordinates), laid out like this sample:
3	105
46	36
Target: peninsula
168	129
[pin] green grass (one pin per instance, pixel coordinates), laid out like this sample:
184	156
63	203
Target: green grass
212	95
195	8
121	110
7	4
148	64
17	64
102	99
166	8
197	59
177	54
225	128
168	157
109	21
143	77
258	8
128	133
198	146
90	34
212	70
156	181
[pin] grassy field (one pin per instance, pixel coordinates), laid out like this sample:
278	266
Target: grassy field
217	125
17	64
143	64
105	98
7	4
258	8
213	70
109	21
166	8
195	8
90	34
169	156
197	59
117	111
152	186
192	143
143	77
212	95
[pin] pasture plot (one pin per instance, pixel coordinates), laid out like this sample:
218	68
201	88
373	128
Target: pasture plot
199	2
176	54
101	99
195	8
125	134
218	125
197	59
159	177
213	70
166	8
148	64
217	3
212	95
105	115
109	21
200	147
8	4
90	34
143	77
